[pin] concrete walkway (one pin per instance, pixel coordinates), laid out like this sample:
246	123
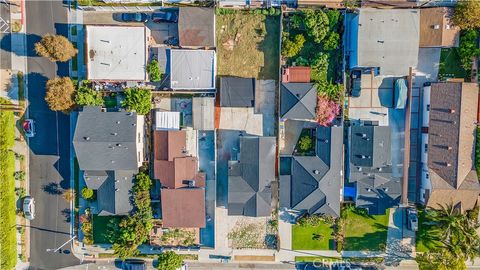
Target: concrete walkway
400	240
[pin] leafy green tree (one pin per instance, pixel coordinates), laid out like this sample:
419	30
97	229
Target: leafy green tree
55	48
440	260
468	48
60	94
291	48
331	42
316	22
467	14
139	100
87	193
169	260
333	18
86	96
305	143
153	70
124	251
297	20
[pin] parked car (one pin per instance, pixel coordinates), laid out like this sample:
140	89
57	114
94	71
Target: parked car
165	16
29	208
412	219
134	264
29	127
134	17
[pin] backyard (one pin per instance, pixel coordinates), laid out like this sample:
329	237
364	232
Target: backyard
309	237
451	65
248	45
363	231
101	227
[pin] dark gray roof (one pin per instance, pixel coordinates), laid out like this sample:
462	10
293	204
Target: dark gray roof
114	195
249	190
106	141
298	100
94	179
237	92
315	181
371	168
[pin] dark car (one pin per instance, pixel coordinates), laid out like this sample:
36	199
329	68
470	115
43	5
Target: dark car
134	264
165	16
134	17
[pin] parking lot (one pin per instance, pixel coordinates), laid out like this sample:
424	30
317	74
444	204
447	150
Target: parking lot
160	32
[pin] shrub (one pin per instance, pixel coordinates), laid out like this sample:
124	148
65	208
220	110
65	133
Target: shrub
153	70
333	18
20	175
316	22
87	96
330	90
19	157
291	48
55	48
305	143
69	195
467	14
20	192
265	12
87	193
60	94
272	11
332	41
314	220
139	100
326	110
169	260
468	48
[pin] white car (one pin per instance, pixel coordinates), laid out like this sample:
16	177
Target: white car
412	223
29	208
29	127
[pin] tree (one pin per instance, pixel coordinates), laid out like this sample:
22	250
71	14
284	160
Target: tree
331	42
139	100
305	143
333	18
468	47
326	110
169	260
86	96
55	48
60	94
291	48
87	193
69	194
316	22
153	70
440	260
467	14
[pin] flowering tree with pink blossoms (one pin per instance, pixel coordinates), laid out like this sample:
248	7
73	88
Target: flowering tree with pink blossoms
326	110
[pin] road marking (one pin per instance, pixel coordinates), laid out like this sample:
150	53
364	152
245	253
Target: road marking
4	26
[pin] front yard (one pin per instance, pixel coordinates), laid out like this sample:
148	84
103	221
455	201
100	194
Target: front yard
308	237
248	45
365	232
101	227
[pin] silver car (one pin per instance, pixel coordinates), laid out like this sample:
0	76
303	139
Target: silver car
29	208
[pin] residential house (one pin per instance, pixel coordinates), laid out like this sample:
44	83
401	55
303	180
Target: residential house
196	27
312	183
250	177
296	74
116	53
237	92
109	149
384	39
437	28
298	101
448	145
370	169
201	71
182	192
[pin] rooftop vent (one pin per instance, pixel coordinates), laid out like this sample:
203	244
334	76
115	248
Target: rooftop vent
379	169
117	189
118	122
452	110
449	165
119	144
369	189
449	147
436	26
316	171
114	133
86	138
385	189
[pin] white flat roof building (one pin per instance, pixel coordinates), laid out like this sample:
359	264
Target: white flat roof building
192	69
116	53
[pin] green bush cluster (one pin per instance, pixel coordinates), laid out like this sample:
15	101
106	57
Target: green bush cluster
225	11
292	47
86	96
315	220
87	193
169	260
468	48
153	70
137	99
305	143
20	175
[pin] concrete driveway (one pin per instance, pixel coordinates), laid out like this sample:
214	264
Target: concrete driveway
428	63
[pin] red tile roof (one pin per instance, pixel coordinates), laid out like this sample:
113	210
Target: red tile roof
296	74
183	208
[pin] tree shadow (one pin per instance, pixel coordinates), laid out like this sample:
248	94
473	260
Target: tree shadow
6	44
52	188
67	214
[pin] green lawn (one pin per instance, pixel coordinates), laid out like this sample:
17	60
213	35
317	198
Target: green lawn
100	227
248	45
8	246
425	234
450	65
303	237
365	232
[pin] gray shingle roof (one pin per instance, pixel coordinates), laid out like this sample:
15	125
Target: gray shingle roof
249	191
315	181
298	100
371	168
106	141
114	195
237	92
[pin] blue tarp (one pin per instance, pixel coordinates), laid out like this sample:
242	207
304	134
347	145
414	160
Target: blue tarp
400	93
349	192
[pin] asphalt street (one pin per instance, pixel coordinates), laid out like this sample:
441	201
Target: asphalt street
50	148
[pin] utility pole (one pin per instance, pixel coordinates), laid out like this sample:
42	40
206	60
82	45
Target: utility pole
406	152
57	249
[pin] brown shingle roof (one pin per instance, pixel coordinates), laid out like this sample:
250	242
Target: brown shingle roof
169	144
296	74
183	208
451	140
436	28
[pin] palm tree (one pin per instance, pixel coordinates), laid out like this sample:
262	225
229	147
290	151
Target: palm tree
448	219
